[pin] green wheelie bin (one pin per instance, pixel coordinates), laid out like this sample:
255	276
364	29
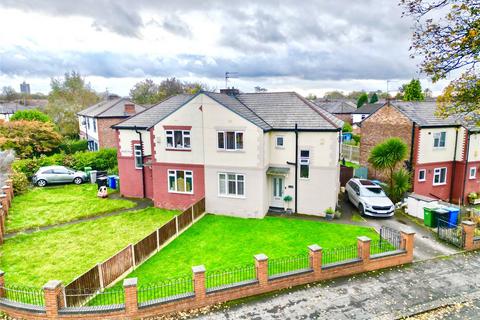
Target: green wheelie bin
429	217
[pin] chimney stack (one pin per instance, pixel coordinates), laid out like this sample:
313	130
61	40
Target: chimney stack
230	91
129	108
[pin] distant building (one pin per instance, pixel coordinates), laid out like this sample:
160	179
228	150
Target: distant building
25	88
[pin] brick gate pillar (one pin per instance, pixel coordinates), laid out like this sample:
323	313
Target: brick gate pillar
4	203
407	242
131	296
315	253
261	267
468	228
9	182
52	290
6	190
363	247
199	286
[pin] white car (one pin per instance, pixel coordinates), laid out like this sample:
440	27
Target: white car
369	198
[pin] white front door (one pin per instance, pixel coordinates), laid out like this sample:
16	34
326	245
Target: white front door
278	187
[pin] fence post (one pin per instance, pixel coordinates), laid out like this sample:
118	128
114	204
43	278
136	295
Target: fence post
191	210
52	290
363	247
131	297
6	190
199	282
4	203
133	255
9	182
158	239
261	266
176	225
2	284
2	225
407	242
100	275
315	253
468	228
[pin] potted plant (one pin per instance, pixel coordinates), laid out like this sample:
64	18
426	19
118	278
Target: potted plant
474	198
288	199
329	214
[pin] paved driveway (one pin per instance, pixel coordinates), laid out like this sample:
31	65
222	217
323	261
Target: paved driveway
426	244
388	294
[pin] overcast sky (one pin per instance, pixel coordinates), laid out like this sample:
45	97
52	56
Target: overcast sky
306	46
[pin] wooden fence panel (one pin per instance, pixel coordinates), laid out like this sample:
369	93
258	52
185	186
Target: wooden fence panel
199	208
116	266
88	282
185	219
346	173
167	231
145	247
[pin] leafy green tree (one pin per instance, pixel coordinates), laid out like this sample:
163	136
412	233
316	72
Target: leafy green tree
362	100
9	94
67	97
413	91
145	92
311	97
30	115
347	127
374	98
447	37
387	155
334	95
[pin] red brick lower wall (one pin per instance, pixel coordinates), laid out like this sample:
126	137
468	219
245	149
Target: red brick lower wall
164	199
130	178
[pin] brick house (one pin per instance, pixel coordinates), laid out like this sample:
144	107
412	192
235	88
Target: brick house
360	114
443	154
342	109
96	121
242	152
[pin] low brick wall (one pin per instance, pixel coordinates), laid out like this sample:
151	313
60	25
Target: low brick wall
6	196
201	297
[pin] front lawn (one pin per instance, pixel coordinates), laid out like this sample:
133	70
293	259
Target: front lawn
221	242
62	253
51	205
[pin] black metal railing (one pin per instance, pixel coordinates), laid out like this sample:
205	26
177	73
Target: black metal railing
451	233
219	278
23	294
392	236
339	254
94	297
167	288
288	264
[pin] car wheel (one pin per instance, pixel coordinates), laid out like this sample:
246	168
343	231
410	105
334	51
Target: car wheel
78	180
361	209
41	183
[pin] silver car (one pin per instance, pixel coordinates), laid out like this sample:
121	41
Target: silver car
57	174
369	198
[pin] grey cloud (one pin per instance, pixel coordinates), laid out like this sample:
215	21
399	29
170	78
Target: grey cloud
177	26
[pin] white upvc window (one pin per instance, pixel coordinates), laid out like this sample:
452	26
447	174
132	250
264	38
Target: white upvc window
422	175
280	142
304	164
230	140
473	173
88	123
137	150
94	121
180	181
439	176
439	139
178	139
231	184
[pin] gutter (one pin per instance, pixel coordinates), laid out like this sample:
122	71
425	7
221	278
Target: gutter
454	166
469	134
412	147
143	168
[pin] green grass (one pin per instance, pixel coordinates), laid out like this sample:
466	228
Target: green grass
221	242
357	217
351	164
51	205
63	253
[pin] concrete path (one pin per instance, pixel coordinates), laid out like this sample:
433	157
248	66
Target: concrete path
140	204
388	294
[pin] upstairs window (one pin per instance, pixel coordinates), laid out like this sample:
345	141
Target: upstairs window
440	176
473	173
180	181
439	139
137	150
88	123
178	139
304	164
279	142
94	122
230	140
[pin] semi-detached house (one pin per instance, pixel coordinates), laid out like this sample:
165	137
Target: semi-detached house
242	152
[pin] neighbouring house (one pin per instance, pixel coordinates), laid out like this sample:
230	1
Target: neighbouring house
365	111
7	109
342	109
444	153
242	152
96	121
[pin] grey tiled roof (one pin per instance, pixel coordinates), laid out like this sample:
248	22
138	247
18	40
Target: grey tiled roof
338	106
269	111
109	108
368	108
155	114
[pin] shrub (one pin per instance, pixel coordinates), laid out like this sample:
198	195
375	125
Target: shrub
401	184
30	115
347	127
20	182
356	138
70	146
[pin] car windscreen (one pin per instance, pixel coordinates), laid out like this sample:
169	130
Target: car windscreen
373	192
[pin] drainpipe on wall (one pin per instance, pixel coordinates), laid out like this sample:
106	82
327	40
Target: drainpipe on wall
454	166
141	153
412	149
466	167
296	168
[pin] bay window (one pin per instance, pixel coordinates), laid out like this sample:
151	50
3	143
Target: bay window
230	140
180	181
231	184
178	139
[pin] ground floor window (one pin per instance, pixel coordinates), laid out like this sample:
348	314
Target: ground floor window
231	184
473	173
180	181
137	148
439	176
422	174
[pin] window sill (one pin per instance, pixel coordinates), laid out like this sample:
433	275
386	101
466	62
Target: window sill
439	148
178	192
422	181
439	184
231	151
231	196
278	147
174	149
